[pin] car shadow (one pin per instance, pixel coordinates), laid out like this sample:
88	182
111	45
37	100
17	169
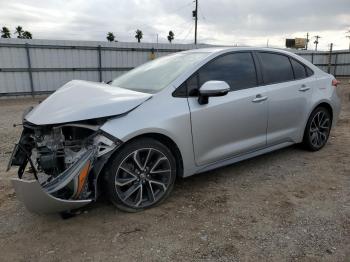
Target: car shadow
200	182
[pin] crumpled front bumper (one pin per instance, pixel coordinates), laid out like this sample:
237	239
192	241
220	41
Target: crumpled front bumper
73	188
37	200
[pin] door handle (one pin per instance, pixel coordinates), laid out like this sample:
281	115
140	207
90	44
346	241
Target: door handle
304	88
259	98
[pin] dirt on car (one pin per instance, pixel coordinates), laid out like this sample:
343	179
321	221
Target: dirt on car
289	205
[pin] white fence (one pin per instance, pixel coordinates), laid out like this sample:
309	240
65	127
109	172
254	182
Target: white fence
336	63
41	66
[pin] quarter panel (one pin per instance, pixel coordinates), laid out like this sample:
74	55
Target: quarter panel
288	110
324	92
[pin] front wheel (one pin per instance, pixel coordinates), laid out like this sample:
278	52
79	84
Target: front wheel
317	129
141	175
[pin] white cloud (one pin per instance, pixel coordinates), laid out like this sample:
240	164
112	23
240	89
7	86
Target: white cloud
246	22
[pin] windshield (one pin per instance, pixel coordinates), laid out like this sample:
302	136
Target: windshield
159	73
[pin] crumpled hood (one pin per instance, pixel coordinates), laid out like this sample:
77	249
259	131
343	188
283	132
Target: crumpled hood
81	100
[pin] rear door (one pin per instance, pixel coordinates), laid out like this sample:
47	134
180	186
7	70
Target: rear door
233	124
289	92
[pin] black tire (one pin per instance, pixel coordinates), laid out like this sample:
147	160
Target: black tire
317	129
123	168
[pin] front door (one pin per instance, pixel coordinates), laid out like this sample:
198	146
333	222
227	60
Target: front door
233	124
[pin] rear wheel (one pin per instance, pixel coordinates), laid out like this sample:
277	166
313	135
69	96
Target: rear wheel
317	129
141	175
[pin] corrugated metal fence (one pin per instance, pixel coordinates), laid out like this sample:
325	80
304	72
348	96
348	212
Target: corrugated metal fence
336	63
42	66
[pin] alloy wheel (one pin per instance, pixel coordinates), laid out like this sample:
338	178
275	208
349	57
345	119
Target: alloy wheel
319	129
143	177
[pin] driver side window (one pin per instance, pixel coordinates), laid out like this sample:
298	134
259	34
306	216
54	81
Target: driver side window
236	69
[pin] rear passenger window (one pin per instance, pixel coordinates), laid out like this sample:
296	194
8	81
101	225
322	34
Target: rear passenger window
309	72
276	68
299	69
236	69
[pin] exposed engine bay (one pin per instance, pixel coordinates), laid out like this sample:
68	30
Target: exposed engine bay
65	159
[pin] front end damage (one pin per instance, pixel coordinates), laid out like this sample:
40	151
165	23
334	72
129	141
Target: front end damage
59	165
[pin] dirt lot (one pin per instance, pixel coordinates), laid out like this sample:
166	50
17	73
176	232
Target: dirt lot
285	206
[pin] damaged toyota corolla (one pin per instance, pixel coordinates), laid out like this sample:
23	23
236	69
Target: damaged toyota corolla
178	115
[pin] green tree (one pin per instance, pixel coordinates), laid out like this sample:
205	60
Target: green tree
5	32
110	37
19	31
27	35
171	36
138	35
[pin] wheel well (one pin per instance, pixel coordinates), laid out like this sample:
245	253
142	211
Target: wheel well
324	105
328	107
168	142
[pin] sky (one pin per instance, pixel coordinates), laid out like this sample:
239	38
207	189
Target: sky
222	22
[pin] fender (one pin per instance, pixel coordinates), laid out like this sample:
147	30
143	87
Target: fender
172	121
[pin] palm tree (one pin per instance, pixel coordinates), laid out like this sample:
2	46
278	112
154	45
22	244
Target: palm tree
110	37
27	35
5	32
19	31
171	36
138	35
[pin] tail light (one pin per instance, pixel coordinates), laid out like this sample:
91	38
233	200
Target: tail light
335	82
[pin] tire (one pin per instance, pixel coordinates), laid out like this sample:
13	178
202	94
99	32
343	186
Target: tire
141	175
317	129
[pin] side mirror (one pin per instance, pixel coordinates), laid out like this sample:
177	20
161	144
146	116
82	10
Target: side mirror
212	88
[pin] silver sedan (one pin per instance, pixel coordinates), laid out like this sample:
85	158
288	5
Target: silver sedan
178	115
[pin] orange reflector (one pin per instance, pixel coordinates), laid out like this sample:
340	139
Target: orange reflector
82	178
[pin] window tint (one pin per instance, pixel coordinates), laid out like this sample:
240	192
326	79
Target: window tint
276	68
309	72
299	69
237	70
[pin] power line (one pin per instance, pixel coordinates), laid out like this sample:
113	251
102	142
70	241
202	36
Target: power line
188	33
202	14
187	24
181	7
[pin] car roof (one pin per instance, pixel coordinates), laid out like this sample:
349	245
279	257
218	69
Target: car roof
236	48
214	51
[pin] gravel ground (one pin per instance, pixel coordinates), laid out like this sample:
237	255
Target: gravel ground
284	206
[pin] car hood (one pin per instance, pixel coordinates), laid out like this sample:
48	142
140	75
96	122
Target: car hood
82	100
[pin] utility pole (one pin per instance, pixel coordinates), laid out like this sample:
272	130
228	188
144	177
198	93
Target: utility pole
307	40
330	58
316	41
195	15
348	36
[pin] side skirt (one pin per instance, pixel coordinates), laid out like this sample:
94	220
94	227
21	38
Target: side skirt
239	158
